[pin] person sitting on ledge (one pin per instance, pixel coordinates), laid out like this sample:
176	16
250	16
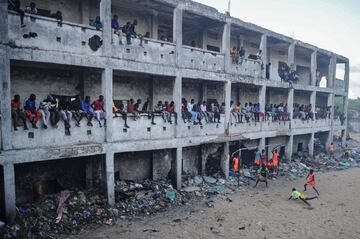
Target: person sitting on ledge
14	5
75	109
17	113
96	23
99	110
121	111
31	112
171	110
145	109
32	10
87	110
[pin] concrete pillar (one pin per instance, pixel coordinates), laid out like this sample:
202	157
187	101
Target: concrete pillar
311	144
262	98
110	180
347	76
290	103
89	174
203	158
343	137
289	148
329	138
203	91
5	100
177	30
4	22
204	38
105	16
263	48
9	192
155	25
225	159
227	105
291	55
331	103
107	91
262	143
332	72
178	168
313	67
177	95
226	41
313	100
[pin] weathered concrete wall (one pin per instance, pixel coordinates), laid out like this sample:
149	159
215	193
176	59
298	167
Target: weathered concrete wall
42	82
321	100
354	125
135	166
304	139
191	90
276	96
246	94
191	160
304	75
162	163
275	57
69	173
301	97
72	10
132	87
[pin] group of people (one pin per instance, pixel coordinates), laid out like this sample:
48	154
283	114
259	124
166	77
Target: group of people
196	112
249	112
15	5
52	109
276	112
238	55
303	112
288	75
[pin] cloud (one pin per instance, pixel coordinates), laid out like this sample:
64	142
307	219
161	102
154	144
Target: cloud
355	69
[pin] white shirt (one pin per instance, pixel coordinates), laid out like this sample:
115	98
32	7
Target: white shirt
203	108
190	107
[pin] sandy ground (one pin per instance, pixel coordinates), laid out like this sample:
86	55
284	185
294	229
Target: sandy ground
258	213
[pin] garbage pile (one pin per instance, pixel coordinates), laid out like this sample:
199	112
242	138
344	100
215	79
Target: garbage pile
70	213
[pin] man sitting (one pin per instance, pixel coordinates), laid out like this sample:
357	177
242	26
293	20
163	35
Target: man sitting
87	110
99	110
17	113
121	111
31	112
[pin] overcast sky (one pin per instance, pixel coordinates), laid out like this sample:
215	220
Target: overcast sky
330	24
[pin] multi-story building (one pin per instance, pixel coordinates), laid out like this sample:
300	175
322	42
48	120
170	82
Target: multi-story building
186	56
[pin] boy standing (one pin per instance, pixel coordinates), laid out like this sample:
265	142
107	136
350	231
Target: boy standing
311	181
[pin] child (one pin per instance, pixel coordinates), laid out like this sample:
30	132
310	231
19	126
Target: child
311	181
298	195
235	164
275	162
262	176
346	151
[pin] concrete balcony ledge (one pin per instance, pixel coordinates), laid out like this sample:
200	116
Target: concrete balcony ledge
248	67
281	126
40	137
69	37
206	129
301	124
142	129
146	50
200	59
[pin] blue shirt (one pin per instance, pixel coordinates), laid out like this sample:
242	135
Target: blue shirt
86	106
257	155
30	105
115	24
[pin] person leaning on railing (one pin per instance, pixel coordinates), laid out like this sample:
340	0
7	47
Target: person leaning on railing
14	5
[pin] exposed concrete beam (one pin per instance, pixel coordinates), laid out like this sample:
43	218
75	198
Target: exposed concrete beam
107	91
227	97
291	55
289	148
4	22
5	100
177	30
311	144
226	41
110	180
178	173
9	192
105	16
225	159
177	95
313	67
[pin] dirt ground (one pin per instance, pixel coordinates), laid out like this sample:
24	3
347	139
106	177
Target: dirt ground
257	213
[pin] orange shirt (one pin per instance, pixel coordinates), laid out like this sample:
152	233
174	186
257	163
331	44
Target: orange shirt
15	105
170	108
275	159
236	164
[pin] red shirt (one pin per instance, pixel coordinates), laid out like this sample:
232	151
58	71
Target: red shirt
98	105
15	105
130	108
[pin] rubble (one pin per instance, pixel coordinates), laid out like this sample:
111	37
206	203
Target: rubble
71	212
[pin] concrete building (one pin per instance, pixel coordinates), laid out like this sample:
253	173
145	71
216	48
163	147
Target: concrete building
186	56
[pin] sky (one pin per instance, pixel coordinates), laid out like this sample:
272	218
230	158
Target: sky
329	24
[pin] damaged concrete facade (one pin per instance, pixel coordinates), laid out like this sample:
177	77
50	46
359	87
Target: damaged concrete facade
195	64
